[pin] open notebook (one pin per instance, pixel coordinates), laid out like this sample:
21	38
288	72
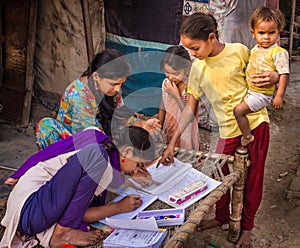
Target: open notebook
173	178
134	233
147	200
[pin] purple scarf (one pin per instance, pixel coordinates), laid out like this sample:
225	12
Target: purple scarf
75	142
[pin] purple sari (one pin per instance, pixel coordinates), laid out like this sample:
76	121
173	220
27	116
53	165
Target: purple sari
75	142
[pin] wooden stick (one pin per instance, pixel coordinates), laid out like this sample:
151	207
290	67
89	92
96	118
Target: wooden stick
7	168
29	62
87	30
239	166
292	21
1	41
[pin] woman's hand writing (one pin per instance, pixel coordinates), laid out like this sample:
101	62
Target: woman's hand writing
129	203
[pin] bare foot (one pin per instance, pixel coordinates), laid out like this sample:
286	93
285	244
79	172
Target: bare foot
244	240
207	224
11	181
76	237
247	140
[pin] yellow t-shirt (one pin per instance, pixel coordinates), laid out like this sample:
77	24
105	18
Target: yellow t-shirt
222	79
274	58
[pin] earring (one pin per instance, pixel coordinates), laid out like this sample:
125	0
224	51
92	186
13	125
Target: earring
122	159
96	85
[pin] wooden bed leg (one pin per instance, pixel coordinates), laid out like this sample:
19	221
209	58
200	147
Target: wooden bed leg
240	164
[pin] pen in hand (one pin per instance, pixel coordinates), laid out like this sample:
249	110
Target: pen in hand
121	192
128	203
158	162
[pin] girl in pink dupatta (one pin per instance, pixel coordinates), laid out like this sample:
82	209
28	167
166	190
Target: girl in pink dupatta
176	65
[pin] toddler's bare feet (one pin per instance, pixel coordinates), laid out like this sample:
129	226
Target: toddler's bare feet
11	181
247	140
244	240
76	237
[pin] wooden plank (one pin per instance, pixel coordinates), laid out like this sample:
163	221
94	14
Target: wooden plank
1	41
29	79
87	30
291	36
241	160
12	101
15	24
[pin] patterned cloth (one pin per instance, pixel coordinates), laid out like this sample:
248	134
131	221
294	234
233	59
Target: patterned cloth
194	6
78	110
190	137
232	17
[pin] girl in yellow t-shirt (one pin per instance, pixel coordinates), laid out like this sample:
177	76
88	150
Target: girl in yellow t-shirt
219	72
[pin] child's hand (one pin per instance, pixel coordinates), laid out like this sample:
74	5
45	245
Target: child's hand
168	156
151	125
171	88
129	203
278	102
154	123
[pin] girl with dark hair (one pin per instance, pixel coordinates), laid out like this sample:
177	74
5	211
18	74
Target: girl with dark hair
219	72
176	64
90	100
53	202
101	83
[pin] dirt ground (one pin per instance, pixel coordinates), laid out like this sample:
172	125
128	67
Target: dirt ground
278	219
